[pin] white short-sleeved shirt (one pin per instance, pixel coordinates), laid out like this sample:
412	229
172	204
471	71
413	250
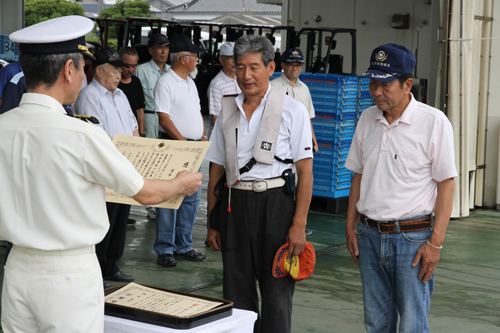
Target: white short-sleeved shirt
299	92
294	139
401	163
53	171
112	109
149	73
179	99
220	85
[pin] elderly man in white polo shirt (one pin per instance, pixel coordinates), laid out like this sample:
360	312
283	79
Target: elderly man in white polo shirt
105	101
179	114
223	83
52	280
401	195
292	61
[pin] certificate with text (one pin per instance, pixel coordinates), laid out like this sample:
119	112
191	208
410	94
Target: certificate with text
145	298
158	159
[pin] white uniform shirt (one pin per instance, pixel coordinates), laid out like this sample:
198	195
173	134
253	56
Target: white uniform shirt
220	85
53	171
299	92
401	163
149	73
112	109
294	139
179	99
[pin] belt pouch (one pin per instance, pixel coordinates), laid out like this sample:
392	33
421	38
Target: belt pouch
289	178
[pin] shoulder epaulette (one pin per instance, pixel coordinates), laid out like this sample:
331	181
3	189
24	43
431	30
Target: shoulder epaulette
89	119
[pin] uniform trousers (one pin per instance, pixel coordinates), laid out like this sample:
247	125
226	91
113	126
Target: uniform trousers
110	249
254	230
52	291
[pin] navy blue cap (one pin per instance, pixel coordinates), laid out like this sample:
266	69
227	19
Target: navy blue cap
390	61
182	43
158	40
292	55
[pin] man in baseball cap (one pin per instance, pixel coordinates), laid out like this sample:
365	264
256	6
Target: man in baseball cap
53	282
401	195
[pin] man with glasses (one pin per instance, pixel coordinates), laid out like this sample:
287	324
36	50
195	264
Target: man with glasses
105	101
131	85
179	113
292	61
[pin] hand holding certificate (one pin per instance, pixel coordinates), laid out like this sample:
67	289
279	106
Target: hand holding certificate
159	159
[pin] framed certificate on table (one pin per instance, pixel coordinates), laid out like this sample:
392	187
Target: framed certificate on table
164	307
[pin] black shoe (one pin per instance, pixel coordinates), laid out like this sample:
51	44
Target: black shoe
131	221
191	255
166	260
308	232
106	284
119	276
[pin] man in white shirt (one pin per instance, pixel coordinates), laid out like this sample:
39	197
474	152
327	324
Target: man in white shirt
224	83
403	158
52	280
179	114
103	100
292	62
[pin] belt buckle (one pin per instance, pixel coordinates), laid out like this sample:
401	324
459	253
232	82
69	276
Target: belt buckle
380	231
256	189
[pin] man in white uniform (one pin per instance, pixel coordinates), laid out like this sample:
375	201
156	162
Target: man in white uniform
179	113
292	62
103	100
223	83
52	280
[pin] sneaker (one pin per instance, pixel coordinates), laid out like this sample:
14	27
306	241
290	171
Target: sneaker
308	232
191	255
166	260
152	214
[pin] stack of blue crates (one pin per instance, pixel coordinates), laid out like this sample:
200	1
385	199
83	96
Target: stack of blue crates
338	101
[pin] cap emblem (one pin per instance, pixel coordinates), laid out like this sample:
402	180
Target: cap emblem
381	56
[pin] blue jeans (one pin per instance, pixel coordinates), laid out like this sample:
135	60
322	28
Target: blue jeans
390	284
174	226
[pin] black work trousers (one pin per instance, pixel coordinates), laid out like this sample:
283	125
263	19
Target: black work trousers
110	249
250	236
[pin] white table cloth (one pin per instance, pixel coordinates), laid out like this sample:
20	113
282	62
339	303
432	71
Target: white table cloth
241	321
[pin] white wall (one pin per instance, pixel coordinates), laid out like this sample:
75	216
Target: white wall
493	120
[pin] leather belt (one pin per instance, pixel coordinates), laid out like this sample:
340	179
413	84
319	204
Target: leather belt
260	185
147	111
383	227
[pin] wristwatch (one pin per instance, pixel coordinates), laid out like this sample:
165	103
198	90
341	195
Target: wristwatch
142	134
204	136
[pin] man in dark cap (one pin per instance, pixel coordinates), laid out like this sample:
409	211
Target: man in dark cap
149	73
401	195
106	102
179	114
53	171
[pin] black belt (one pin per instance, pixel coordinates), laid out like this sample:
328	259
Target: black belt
147	111
165	136
419	224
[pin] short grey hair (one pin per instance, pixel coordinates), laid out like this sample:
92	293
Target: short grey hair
44	69
254	44
174	57
127	50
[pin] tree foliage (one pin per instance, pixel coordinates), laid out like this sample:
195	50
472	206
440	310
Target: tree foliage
37	11
127	8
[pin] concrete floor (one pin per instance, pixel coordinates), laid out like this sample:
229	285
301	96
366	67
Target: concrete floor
467	282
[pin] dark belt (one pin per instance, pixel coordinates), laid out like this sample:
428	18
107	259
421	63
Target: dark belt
147	111
419	224
165	136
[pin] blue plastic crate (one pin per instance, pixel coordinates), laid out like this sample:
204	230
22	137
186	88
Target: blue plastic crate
362	108
364	87
324	191
328	79
364	80
344	178
364	94
344	151
365	101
